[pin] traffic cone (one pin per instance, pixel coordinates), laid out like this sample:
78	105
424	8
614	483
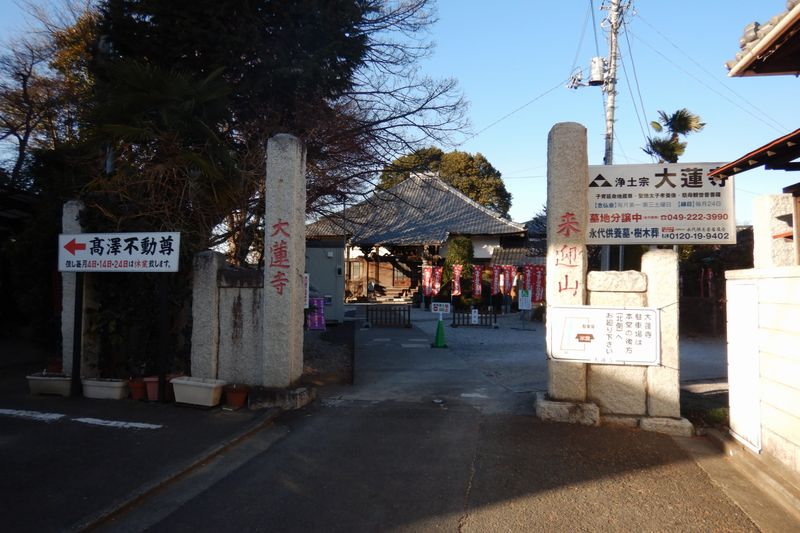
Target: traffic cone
439	341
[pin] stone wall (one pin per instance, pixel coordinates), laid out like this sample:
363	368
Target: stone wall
775	351
227	321
630	390
773	216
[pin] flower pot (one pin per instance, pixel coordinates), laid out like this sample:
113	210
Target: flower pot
151	385
198	391
47	383
54	366
137	388
236	396
105	389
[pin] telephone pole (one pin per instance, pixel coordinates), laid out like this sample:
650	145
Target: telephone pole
610	86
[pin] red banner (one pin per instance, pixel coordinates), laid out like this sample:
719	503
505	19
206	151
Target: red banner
496	270
538	292
427	280
437	281
527	276
457	279
510	272
477	272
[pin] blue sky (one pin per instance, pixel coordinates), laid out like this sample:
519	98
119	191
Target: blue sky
510	53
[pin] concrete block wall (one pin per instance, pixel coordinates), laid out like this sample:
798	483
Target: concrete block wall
227	321
632	390
777	348
773	215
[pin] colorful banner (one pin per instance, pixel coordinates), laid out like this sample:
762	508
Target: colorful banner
510	272
457	280
477	273
426	280
527	276
436	280
538	289
496	270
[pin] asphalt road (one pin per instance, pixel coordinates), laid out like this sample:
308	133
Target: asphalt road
428	440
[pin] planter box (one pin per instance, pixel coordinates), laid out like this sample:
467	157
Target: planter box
151	383
105	389
198	391
44	383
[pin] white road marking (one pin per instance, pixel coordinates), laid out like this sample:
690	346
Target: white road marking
473	395
53	417
32	415
116	423
414	345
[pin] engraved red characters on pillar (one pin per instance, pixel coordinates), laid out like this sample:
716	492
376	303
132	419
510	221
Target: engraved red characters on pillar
568	225
279	255
566	286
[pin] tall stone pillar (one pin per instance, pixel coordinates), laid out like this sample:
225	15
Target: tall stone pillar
284	261
70	223
567	174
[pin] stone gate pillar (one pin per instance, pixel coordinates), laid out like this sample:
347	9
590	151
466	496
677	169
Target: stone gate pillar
284	261
567	169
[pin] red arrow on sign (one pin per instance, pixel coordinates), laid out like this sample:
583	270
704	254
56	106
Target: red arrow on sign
72	246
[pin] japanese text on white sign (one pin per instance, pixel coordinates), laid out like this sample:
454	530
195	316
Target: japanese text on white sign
119	252
663	203
627	336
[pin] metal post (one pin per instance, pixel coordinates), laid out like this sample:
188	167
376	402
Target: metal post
163	337
77	338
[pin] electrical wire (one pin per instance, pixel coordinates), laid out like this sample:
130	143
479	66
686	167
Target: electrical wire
594	29
643	125
580	41
633	100
515	111
766	119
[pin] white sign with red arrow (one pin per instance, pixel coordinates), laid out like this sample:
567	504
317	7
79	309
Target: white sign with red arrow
119	252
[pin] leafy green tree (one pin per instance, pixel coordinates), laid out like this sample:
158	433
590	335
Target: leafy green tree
680	123
471	174
459	252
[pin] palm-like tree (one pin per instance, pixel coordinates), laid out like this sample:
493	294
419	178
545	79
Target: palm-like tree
669	148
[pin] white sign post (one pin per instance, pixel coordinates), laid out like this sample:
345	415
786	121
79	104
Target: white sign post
440	307
666	203
613	336
118	252
525	300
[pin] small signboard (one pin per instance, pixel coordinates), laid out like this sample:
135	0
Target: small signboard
525	300
119	252
602	335
440	307
666	203
475	317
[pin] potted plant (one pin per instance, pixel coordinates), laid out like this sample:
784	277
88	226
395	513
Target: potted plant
105	388
44	382
236	395
198	391
137	388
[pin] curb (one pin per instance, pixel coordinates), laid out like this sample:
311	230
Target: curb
97	519
758	470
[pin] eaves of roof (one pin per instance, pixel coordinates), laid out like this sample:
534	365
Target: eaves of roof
775	155
773	53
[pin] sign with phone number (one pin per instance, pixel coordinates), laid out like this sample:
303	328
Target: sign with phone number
666	203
